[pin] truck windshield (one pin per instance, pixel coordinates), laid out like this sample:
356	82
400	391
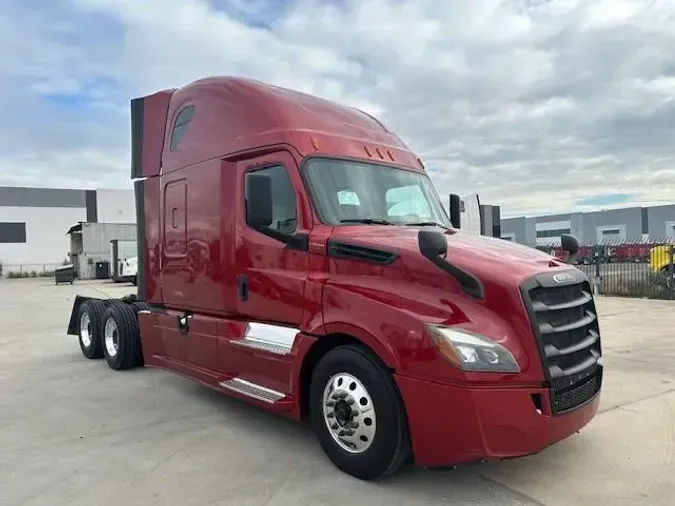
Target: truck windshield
361	192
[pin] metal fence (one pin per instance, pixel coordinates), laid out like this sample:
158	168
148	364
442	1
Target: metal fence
641	268
41	270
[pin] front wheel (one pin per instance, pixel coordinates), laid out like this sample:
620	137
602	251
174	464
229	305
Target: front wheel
357	414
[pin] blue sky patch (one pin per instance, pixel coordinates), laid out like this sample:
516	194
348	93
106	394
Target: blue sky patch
93	88
70	100
604	200
254	13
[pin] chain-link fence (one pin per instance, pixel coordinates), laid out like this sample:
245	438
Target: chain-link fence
640	268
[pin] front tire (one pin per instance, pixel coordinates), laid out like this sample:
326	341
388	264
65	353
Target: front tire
357	414
121	337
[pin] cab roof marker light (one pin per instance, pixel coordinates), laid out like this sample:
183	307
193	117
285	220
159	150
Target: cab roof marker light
315	143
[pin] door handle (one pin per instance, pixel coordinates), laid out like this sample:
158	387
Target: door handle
243	287
184	323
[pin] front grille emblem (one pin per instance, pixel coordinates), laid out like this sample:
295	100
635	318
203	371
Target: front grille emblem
564	277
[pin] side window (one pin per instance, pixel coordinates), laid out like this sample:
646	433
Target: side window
407	200
284	212
180	125
12	233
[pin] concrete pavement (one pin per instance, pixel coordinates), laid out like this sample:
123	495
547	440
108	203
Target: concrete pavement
74	432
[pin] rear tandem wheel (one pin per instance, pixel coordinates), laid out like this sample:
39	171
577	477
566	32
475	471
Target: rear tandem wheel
89	319
121	336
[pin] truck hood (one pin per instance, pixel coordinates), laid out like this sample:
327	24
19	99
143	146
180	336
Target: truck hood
408	291
485	257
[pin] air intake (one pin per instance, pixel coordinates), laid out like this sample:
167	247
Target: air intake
338	249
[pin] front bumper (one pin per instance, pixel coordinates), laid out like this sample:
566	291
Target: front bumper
455	424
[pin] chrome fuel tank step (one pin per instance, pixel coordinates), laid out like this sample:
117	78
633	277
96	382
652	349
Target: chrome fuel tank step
252	390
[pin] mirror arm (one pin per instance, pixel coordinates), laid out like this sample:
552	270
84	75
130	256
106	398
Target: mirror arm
571	257
293	241
433	246
470	284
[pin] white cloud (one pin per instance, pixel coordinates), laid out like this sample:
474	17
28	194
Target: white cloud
532	103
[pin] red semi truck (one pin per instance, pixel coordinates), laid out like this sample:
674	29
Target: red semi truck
294	253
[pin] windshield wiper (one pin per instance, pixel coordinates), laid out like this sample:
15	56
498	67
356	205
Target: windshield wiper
367	221
425	224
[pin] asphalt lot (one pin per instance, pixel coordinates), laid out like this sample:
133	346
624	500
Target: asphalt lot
74	432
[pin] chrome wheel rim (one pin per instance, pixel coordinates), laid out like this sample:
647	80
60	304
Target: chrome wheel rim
85	330
349	413
111	337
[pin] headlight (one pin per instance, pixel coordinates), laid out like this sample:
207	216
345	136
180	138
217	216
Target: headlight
472	352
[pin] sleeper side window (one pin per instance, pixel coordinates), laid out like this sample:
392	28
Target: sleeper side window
284	211
180	125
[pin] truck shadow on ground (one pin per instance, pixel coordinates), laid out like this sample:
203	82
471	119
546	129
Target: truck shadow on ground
468	482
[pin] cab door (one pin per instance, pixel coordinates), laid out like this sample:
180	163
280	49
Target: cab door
271	275
175	267
174	272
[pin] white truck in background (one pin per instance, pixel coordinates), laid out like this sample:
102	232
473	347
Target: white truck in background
128	269
123	261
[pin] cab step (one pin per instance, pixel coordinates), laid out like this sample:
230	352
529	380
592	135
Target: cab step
274	339
252	390
260	344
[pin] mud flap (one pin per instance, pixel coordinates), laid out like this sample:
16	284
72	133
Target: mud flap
73	329
72	323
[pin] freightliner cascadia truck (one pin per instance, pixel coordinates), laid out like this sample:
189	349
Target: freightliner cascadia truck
294	253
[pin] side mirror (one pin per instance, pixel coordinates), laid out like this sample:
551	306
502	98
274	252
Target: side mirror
258	200
455	210
432	243
259	212
570	244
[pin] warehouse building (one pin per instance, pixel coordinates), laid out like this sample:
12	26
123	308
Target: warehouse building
34	222
630	224
90	247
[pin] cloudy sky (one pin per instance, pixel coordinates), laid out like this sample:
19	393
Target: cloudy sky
537	105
